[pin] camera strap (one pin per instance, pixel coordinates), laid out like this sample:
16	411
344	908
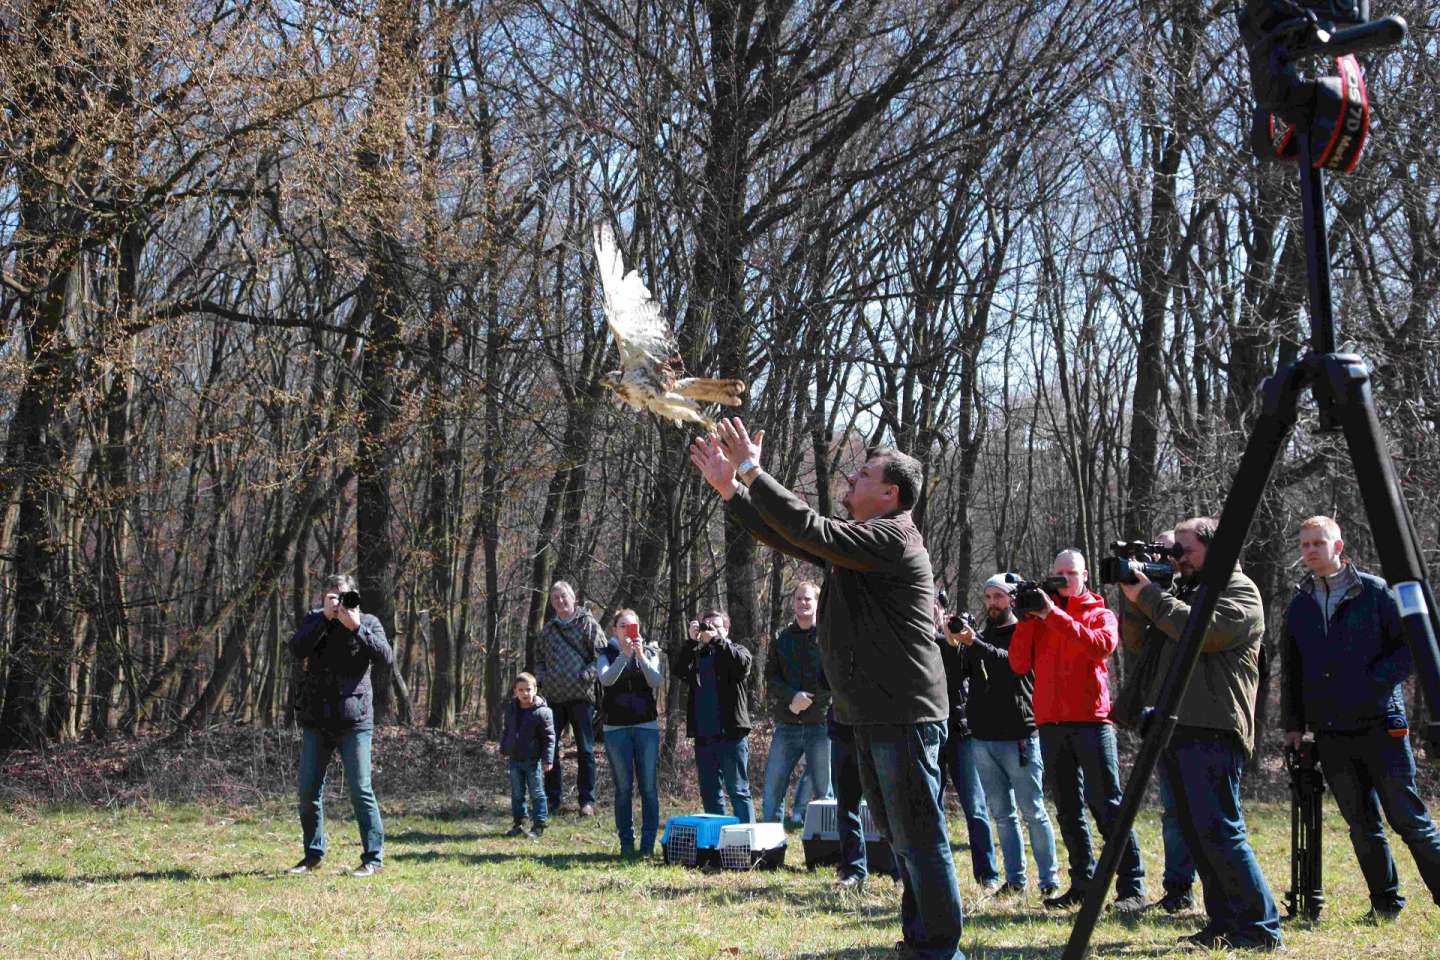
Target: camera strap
1339	124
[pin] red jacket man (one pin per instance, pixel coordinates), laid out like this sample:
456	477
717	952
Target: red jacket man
1067	645
1069	650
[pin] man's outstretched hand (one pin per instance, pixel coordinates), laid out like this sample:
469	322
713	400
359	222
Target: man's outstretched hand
710	460
736	442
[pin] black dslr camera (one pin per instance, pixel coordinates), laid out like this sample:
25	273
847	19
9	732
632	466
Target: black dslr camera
1030	594
350	599
958	621
1154	560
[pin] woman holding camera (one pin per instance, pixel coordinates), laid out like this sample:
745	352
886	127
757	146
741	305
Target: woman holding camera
629	678
337	645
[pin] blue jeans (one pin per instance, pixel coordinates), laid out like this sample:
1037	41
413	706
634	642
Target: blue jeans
634	753
1084	770
724	759
1011	772
790	743
1370	772
315	751
1179	866
578	715
958	762
805	792
846	767
1204	768
900	771
525	774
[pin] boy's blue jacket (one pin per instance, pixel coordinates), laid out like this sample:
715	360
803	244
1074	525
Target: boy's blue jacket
529	732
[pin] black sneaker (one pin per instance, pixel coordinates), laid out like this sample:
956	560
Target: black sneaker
367	869
537	831
1377	916
1177	901
517	829
1008	889
854	883
1070	898
308	865
1129	905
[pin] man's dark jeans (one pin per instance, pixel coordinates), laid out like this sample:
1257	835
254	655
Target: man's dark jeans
900	771
845	771
578	716
1204	768
1080	758
316	748
724	761
1368	772
957	763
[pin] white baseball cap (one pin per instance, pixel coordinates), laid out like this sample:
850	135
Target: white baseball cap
1003	581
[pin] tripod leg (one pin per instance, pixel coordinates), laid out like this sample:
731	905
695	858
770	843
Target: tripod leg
1395	539
1267	439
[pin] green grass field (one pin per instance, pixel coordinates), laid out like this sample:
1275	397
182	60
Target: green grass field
190	880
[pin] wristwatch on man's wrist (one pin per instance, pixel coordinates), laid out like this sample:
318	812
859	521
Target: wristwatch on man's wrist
746	468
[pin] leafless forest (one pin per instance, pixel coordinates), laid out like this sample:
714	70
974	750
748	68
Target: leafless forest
299	287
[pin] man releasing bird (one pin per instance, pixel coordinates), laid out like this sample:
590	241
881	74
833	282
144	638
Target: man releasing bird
652	375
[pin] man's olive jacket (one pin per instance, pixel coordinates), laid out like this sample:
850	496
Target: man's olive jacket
876	625
1222	691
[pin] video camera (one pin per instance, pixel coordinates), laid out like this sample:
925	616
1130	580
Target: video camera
1154	560
1030	594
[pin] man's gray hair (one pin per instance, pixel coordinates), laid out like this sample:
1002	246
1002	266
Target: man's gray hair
340	583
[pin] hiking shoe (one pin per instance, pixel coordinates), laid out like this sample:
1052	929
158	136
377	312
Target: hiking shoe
308	865
1070	898
368	869
516	830
1129	905
1176	901
537	831
1011	890
1376	917
855	883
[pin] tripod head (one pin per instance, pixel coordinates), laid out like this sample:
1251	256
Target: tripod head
1280	37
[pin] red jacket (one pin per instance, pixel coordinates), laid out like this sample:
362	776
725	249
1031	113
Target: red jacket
1068	651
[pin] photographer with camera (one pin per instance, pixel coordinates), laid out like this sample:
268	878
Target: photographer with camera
876	637
1343	661
1207	751
717	713
957	756
337	645
1151	659
1004	743
1068	644
629	679
566	665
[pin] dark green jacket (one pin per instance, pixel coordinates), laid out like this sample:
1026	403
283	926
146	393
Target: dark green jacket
875	623
794	665
1222	691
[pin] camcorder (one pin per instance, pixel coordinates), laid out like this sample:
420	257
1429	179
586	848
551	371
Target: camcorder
1030	594
958	621
350	599
1151	559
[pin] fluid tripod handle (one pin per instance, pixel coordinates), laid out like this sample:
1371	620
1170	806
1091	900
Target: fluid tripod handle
1372	35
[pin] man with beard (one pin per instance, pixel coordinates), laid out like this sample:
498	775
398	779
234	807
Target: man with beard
1004	742
1215	734
876	637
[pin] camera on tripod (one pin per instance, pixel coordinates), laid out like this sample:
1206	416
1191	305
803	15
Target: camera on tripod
1151	559
1030	594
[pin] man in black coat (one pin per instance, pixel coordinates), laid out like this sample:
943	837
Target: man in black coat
337	645
877	639
717	713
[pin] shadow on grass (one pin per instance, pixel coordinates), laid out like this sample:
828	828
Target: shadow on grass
428	836
555	861
36	878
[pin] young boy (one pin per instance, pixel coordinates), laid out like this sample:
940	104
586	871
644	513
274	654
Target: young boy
529	741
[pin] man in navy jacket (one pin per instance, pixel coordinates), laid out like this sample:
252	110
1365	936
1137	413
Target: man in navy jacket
1344	659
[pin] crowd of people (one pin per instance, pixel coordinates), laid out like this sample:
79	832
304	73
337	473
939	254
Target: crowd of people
885	697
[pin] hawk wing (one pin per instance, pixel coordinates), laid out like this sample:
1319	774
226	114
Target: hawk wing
641	330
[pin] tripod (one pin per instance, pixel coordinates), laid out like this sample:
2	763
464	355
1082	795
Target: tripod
1306	896
1341	386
